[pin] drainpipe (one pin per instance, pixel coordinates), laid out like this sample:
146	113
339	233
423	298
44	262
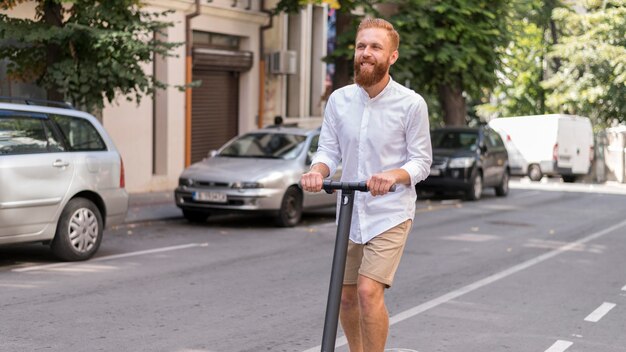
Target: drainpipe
262	64
188	78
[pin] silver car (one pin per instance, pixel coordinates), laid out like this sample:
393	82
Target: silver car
257	172
61	179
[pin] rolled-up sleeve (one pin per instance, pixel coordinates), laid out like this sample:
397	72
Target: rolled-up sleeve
419	148
328	150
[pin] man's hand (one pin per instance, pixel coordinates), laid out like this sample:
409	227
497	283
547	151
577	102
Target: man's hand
379	184
312	180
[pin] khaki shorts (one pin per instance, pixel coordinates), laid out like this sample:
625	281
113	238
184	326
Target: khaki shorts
377	259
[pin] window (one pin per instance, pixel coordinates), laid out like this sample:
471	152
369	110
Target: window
79	134
494	141
215	40
265	145
22	134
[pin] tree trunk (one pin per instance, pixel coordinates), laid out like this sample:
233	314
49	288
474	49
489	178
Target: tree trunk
343	66
52	16
453	104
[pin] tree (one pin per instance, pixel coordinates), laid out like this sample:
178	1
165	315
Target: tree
84	51
524	61
591	79
448	49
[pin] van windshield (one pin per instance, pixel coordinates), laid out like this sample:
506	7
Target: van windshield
454	139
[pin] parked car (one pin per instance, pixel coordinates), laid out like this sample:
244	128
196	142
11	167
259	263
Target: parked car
467	160
550	145
61	178
256	172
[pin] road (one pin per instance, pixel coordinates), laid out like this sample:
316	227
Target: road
540	270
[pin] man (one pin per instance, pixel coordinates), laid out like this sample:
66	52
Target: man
379	131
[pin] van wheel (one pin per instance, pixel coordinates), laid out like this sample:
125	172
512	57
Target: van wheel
503	188
290	211
534	172
569	178
79	231
476	189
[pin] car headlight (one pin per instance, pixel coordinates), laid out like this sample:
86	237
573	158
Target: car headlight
460	163
185	182
246	185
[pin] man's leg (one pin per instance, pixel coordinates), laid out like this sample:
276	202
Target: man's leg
374	315
350	317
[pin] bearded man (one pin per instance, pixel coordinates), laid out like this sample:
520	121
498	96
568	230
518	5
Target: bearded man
379	131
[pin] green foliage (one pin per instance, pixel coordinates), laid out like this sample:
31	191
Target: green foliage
452	42
591	80
98	50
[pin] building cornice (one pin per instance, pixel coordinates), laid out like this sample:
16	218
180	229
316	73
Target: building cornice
212	10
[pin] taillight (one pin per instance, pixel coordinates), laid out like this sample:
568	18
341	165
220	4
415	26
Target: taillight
555	152
591	153
122	178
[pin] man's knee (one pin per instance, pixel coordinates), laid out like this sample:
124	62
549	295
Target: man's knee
349	297
371	294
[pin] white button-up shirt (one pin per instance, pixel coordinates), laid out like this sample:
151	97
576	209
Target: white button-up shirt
369	136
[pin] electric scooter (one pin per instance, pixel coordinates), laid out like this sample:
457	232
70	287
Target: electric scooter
339	257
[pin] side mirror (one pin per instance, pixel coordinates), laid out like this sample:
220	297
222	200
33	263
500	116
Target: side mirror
212	153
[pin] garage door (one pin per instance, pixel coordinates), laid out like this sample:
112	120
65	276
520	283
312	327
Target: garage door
214	111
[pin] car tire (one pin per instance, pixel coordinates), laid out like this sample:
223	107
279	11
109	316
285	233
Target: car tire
503	188
195	215
290	211
534	172
79	231
476	188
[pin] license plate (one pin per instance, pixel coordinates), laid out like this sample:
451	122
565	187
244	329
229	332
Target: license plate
435	172
213	197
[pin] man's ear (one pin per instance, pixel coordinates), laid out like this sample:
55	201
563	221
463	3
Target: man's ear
394	57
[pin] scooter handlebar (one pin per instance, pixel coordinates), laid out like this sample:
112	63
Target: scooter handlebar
329	186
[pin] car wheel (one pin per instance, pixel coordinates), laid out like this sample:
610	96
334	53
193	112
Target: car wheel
290	211
476	188
503	188
195	215
534	172
79	231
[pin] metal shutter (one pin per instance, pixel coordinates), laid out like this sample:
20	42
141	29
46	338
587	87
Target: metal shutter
214	111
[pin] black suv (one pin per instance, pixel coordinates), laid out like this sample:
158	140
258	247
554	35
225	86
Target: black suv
467	160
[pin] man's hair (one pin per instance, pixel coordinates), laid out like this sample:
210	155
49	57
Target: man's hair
394	37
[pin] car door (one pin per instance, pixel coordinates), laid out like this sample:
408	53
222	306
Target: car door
35	174
496	156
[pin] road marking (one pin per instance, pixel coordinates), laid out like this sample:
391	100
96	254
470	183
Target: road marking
600	312
472	237
560	346
624	288
409	313
115	256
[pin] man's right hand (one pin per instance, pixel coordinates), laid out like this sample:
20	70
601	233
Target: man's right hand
312	181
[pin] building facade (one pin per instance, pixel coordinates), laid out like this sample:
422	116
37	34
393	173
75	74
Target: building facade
249	67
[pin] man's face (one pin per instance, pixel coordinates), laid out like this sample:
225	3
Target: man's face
372	57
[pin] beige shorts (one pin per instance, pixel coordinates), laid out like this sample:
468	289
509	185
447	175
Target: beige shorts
377	259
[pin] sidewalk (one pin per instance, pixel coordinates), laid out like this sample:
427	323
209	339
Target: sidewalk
152	206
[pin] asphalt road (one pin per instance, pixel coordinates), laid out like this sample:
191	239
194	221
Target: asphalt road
540	270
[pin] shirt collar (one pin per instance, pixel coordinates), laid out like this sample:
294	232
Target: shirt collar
366	96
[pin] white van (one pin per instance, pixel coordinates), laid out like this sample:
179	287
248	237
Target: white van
554	144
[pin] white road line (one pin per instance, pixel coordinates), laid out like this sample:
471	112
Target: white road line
624	288
560	346
109	257
600	312
486	281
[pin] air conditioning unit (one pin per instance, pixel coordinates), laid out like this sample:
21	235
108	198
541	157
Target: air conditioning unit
283	62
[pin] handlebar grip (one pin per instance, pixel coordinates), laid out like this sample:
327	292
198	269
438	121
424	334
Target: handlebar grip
360	186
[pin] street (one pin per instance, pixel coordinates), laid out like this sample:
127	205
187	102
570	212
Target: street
540	270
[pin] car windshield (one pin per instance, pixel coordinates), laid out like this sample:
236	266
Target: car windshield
265	145
454	139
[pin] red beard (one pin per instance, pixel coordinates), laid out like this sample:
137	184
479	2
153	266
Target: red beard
368	79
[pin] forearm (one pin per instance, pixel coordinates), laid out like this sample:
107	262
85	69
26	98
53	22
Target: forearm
321	168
